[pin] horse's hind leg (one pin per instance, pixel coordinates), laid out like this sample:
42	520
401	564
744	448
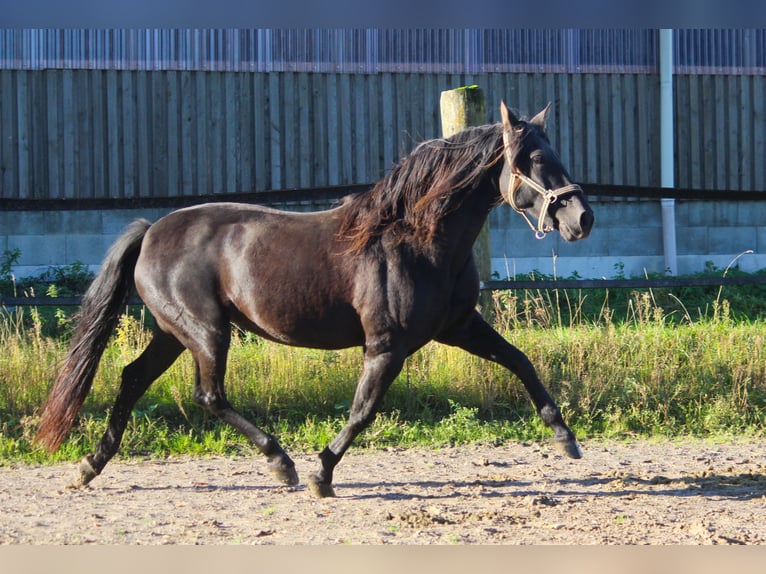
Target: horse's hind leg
209	392
478	338
161	352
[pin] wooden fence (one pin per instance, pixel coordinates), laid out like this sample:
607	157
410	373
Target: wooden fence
72	134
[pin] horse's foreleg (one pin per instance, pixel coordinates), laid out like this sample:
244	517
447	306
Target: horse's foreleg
380	369
479	339
161	352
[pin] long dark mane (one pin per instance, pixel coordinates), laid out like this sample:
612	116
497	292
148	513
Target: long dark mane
422	188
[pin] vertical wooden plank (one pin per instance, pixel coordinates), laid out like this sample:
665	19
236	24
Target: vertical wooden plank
9	121
708	132
537	96
387	102
261	132
695	143
157	161
204	135
548	93
69	144
217	132
38	172
304	127
292	132
188	141
147	154
114	127
627	104
655	158
172	183
577	163
721	142
100	134
759	132
745	121
372	129
361	141
246	128
646	129
344	112
231	133
564	117
85	144
591	134
276	129
738	138
617	128
135	145
23	126
681	146
332	140
428	121
407	109
5	192
605	135
497	91
322	138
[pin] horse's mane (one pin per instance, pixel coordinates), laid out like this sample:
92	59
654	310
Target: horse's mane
423	187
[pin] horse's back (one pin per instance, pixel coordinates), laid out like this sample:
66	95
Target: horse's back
281	274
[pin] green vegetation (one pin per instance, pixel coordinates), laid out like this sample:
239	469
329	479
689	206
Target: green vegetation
620	364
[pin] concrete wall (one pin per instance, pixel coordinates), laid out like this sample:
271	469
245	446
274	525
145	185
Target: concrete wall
627	238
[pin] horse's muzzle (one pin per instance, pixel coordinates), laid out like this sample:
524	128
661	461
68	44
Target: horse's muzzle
576	229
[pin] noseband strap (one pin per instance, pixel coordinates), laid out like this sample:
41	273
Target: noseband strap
549	195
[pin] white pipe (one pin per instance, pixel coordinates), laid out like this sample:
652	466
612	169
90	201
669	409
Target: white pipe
667	152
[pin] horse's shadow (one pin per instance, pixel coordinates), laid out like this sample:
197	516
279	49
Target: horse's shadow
744	486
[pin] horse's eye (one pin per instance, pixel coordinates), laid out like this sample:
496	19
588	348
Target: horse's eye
538	158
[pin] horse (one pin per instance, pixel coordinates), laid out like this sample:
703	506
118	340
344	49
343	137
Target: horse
388	270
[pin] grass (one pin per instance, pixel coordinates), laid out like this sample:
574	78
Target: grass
637	363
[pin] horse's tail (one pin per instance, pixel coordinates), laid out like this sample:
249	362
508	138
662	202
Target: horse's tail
99	313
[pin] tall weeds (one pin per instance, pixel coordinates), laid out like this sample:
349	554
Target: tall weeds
637	371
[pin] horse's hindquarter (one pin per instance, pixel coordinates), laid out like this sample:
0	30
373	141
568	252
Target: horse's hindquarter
279	274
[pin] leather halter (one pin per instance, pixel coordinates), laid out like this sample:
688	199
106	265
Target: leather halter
549	195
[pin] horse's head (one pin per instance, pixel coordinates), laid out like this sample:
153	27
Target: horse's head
534	180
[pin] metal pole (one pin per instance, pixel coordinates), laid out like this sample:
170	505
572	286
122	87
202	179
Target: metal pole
667	151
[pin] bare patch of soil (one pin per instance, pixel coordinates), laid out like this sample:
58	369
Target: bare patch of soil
640	492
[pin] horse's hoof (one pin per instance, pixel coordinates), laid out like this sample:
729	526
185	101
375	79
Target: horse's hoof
287	476
87	473
569	448
321	489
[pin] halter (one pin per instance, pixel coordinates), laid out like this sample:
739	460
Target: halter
549	195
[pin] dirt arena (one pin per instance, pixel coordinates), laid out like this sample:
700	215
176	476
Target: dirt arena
635	493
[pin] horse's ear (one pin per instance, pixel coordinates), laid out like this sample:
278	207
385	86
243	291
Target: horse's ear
542	117
510	121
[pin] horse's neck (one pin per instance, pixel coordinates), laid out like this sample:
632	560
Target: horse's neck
461	228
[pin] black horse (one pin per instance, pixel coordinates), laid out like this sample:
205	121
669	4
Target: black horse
388	270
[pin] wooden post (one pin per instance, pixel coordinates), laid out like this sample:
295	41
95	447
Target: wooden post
462	108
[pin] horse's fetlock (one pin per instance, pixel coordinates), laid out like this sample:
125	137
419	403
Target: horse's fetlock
550	415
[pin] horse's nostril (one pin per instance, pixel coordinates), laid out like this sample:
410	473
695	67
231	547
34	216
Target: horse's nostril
586	220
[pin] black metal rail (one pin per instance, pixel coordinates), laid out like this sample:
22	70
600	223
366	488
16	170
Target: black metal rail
660	282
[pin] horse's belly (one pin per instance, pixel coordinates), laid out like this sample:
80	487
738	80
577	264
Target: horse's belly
330	330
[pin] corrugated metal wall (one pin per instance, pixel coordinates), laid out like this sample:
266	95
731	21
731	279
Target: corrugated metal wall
371	51
153	128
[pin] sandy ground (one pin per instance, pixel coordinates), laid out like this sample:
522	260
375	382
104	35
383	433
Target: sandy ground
638	492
